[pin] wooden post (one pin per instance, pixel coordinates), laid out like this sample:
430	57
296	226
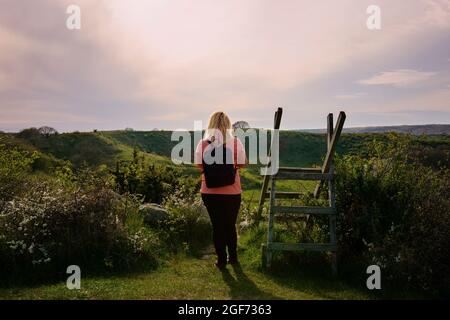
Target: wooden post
329	130
330	153
333	239
270	224
276	126
331	196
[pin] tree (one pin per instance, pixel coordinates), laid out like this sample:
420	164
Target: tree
241	125
47	131
29	133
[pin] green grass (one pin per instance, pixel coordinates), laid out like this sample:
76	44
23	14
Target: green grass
195	278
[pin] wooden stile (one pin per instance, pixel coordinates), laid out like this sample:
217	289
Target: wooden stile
323	174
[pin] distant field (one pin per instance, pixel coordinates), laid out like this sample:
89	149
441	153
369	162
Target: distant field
428	129
296	149
96	148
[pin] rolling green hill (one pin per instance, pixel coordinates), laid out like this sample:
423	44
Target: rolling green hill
429	129
296	148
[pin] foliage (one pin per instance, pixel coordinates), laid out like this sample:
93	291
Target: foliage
78	148
15	166
47	131
393	210
53	224
188	222
152	182
241	125
296	148
392	198
396	212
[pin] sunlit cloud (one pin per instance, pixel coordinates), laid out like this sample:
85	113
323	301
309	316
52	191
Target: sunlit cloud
399	78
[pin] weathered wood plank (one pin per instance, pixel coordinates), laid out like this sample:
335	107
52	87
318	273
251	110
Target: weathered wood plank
304	170
278	246
264	188
303	210
330	127
303	176
332	146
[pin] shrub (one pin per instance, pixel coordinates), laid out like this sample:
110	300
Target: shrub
188	222
153	183
395	212
53	225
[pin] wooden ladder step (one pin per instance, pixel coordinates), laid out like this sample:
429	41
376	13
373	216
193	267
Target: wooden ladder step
304	170
299	175
284	195
302	210
279	246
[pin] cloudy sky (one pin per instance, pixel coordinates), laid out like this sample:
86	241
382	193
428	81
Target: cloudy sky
165	63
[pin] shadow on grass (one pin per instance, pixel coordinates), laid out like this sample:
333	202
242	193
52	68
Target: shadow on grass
242	287
57	276
349	284
317	283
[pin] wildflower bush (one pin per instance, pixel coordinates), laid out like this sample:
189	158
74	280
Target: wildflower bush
188	222
91	217
53	223
395	212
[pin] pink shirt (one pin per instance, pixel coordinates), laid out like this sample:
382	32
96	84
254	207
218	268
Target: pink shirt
240	158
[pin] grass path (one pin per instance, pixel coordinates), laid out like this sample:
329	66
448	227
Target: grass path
191	278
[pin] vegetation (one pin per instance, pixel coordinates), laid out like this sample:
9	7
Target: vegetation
75	198
80	217
394	211
152	181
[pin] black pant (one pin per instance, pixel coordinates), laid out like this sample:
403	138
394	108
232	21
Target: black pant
223	210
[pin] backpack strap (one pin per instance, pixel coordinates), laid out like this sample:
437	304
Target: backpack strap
235	153
202	149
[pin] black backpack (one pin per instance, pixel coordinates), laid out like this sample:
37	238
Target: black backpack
220	174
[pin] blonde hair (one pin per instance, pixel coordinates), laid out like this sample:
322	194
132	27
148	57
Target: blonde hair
219	121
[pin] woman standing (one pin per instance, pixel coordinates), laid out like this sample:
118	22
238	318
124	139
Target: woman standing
219	155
